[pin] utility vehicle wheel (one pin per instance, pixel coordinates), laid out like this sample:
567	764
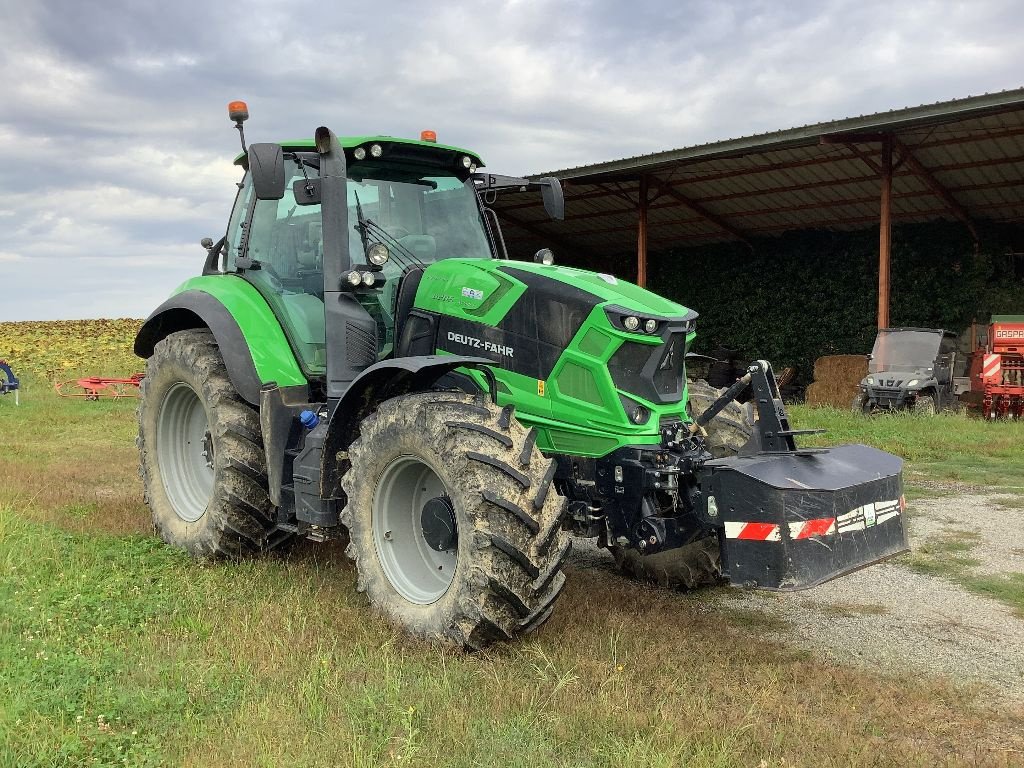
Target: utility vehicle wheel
453	520
858	404
699	562
201	457
925	405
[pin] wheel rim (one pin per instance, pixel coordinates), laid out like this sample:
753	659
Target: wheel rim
407	491
185	452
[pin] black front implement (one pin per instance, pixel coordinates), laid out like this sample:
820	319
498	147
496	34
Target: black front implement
785	518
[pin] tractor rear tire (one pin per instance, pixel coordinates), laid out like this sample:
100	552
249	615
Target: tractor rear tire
698	563
201	458
454	523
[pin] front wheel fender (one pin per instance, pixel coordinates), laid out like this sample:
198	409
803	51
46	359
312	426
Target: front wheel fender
383	381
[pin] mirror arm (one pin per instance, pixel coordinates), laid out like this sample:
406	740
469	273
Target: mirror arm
213	253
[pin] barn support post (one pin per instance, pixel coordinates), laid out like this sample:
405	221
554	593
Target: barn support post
885	232
641	235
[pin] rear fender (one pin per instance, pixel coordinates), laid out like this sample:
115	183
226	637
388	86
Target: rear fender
250	337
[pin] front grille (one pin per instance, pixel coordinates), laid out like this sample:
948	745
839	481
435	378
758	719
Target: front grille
654	373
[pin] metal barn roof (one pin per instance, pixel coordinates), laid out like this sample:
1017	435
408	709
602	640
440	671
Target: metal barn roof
956	160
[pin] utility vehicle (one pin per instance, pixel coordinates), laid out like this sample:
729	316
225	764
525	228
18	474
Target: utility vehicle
360	359
912	369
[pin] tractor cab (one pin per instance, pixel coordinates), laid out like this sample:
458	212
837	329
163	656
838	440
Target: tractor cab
420	206
910	368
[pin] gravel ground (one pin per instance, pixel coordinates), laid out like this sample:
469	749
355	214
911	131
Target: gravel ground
891	617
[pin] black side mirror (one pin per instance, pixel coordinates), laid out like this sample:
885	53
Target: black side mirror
266	164
554	199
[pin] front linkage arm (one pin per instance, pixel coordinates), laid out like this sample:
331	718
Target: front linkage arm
772	433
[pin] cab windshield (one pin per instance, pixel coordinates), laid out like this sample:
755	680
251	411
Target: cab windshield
422	215
904	350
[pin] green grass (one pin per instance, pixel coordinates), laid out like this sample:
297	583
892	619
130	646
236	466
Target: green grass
116	650
947	449
948	555
1007	587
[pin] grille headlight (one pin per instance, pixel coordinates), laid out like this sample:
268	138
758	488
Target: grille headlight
376	150
467	161
359	153
912	383
651	326
871	380
631	323
639	415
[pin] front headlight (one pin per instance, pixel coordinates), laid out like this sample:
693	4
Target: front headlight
871	380
912	383
640	415
378	254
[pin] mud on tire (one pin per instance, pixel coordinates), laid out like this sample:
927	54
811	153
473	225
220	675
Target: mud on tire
699	562
225	514
505	565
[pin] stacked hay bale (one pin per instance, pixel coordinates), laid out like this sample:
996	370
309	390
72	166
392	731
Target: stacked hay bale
835	380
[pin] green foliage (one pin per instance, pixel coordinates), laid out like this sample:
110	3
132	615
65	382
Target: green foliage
812	293
947	448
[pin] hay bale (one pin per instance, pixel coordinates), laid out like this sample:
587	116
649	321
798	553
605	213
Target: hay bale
835	380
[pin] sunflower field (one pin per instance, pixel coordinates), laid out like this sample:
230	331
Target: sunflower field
55	350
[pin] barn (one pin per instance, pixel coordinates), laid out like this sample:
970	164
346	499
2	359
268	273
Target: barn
801	242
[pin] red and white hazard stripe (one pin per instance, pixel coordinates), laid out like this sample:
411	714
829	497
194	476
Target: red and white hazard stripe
858	519
991	366
752	531
805	529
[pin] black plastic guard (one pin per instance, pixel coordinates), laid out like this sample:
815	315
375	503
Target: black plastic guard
790	521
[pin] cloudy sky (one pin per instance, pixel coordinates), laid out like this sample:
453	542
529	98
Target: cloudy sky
115	147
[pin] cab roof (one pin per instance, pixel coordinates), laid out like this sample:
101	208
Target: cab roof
351	142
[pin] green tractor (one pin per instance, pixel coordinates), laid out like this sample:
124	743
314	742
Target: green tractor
360	360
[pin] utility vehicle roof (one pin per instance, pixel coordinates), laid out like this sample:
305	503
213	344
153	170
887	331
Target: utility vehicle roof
919	330
351	142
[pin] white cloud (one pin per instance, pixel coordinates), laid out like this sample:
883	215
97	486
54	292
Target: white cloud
115	149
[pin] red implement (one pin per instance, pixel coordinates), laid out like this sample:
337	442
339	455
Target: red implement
997	370
96	387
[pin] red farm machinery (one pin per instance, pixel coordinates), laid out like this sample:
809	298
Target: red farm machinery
997	368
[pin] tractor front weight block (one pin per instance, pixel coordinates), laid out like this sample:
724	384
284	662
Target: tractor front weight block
789	521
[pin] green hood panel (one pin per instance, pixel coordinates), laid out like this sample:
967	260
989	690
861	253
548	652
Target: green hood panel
481	290
607	287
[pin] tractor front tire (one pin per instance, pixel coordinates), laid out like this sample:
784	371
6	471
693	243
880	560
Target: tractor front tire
698	563
201	459
454	523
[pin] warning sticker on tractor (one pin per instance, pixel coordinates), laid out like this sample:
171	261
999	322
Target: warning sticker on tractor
868	515
540	387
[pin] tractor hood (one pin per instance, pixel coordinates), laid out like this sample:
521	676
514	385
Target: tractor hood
475	287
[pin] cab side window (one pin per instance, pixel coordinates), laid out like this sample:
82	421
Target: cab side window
287	241
236	225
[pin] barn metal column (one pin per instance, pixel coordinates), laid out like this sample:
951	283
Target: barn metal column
641	236
885	232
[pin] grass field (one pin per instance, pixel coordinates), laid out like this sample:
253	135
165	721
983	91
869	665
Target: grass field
115	650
